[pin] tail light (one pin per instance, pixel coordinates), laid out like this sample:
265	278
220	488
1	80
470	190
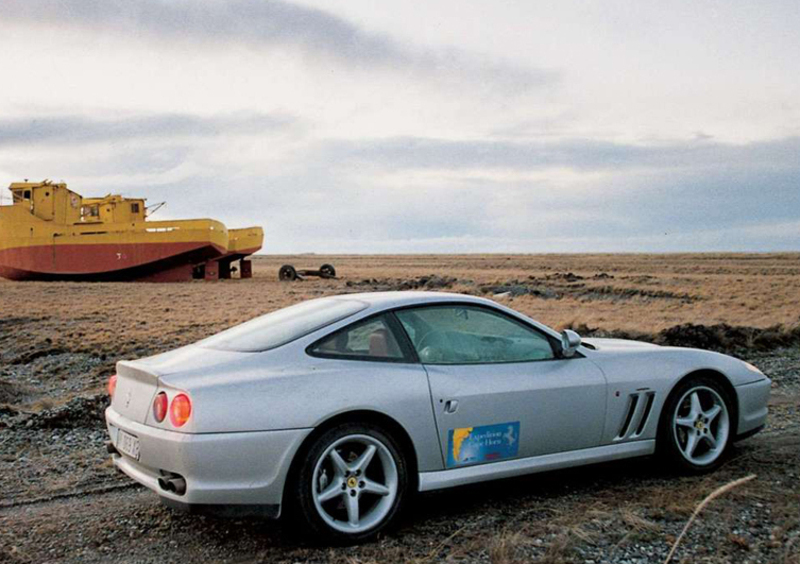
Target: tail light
180	410
112	385
160	406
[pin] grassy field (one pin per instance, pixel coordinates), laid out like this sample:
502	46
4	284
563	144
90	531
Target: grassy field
627	292
60	500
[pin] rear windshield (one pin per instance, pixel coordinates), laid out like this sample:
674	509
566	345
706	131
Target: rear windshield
283	326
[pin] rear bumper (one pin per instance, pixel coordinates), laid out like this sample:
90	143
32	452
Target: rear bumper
246	471
753	399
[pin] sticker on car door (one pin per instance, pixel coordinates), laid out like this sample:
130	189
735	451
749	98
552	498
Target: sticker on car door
487	443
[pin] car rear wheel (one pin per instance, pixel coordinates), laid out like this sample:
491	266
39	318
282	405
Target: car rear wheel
352	484
696	425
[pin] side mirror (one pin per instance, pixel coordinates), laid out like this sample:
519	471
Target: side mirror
570	341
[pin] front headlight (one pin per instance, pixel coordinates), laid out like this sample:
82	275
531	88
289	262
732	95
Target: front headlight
753	368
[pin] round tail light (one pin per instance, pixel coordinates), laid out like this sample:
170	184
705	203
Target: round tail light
180	410
112	385
160	406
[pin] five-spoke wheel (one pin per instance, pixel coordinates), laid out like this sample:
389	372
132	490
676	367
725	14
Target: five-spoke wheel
352	483
696	424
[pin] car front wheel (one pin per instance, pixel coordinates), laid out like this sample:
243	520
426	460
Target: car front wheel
697	425
352	484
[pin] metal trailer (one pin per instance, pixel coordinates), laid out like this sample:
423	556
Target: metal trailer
288	273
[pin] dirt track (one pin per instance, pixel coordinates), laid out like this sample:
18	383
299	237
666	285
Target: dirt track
61	501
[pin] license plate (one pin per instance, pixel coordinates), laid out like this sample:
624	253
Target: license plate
128	444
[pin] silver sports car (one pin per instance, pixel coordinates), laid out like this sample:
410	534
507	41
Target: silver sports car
336	410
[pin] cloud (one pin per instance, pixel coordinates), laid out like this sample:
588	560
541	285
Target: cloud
576	154
427	194
314	32
74	129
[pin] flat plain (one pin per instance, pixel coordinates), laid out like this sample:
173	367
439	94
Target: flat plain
60	499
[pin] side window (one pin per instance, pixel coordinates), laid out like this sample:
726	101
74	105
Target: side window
456	334
370	339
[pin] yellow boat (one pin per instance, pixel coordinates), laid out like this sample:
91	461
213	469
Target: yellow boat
50	232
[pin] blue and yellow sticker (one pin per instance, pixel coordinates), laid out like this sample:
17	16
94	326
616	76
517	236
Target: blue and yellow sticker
488	443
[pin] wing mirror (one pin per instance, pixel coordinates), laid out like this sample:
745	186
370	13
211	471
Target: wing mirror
570	341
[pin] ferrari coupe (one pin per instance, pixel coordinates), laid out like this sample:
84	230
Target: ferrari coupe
337	410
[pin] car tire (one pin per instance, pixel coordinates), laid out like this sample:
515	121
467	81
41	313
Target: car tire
697	426
342	494
287	273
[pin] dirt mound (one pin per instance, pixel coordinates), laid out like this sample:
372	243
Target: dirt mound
572	277
727	337
560	285
615	293
35	353
516	288
720	337
565	276
79	412
430	282
10	321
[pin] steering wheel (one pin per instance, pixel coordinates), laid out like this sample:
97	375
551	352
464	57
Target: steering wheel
430	346
431	338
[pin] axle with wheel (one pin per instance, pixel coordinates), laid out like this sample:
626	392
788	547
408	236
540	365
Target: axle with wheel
289	273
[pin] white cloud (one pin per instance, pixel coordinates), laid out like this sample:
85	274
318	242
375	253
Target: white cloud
419	127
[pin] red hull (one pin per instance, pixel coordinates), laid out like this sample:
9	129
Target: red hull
107	262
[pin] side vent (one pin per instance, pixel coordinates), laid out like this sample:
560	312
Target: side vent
634	401
640	405
646	415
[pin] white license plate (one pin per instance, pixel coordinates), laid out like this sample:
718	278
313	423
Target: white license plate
128	444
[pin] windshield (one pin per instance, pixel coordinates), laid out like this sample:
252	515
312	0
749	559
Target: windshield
283	326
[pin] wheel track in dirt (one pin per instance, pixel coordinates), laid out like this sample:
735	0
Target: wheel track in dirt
11	504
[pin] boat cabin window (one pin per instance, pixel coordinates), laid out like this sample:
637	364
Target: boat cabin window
90	211
135	207
19	195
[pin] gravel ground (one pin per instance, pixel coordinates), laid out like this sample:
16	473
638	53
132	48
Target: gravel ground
61	500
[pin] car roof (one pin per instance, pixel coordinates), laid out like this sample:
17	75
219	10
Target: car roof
400	298
381	301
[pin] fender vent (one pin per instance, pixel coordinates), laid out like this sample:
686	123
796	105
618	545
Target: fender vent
634	401
646	415
640	405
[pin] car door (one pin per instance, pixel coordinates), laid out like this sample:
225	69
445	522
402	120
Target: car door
498	388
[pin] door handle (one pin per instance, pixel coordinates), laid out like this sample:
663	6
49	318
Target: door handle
450	406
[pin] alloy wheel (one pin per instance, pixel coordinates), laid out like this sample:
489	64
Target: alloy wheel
355	483
701	425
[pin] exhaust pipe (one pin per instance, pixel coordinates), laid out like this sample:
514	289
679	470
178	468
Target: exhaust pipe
174	484
110	448
177	485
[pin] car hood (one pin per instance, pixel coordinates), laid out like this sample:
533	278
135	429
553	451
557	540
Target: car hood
618	345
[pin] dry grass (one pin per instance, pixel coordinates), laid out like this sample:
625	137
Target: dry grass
106	322
722	490
643	293
105	318
505	548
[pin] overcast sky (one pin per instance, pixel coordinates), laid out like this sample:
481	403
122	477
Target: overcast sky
419	126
